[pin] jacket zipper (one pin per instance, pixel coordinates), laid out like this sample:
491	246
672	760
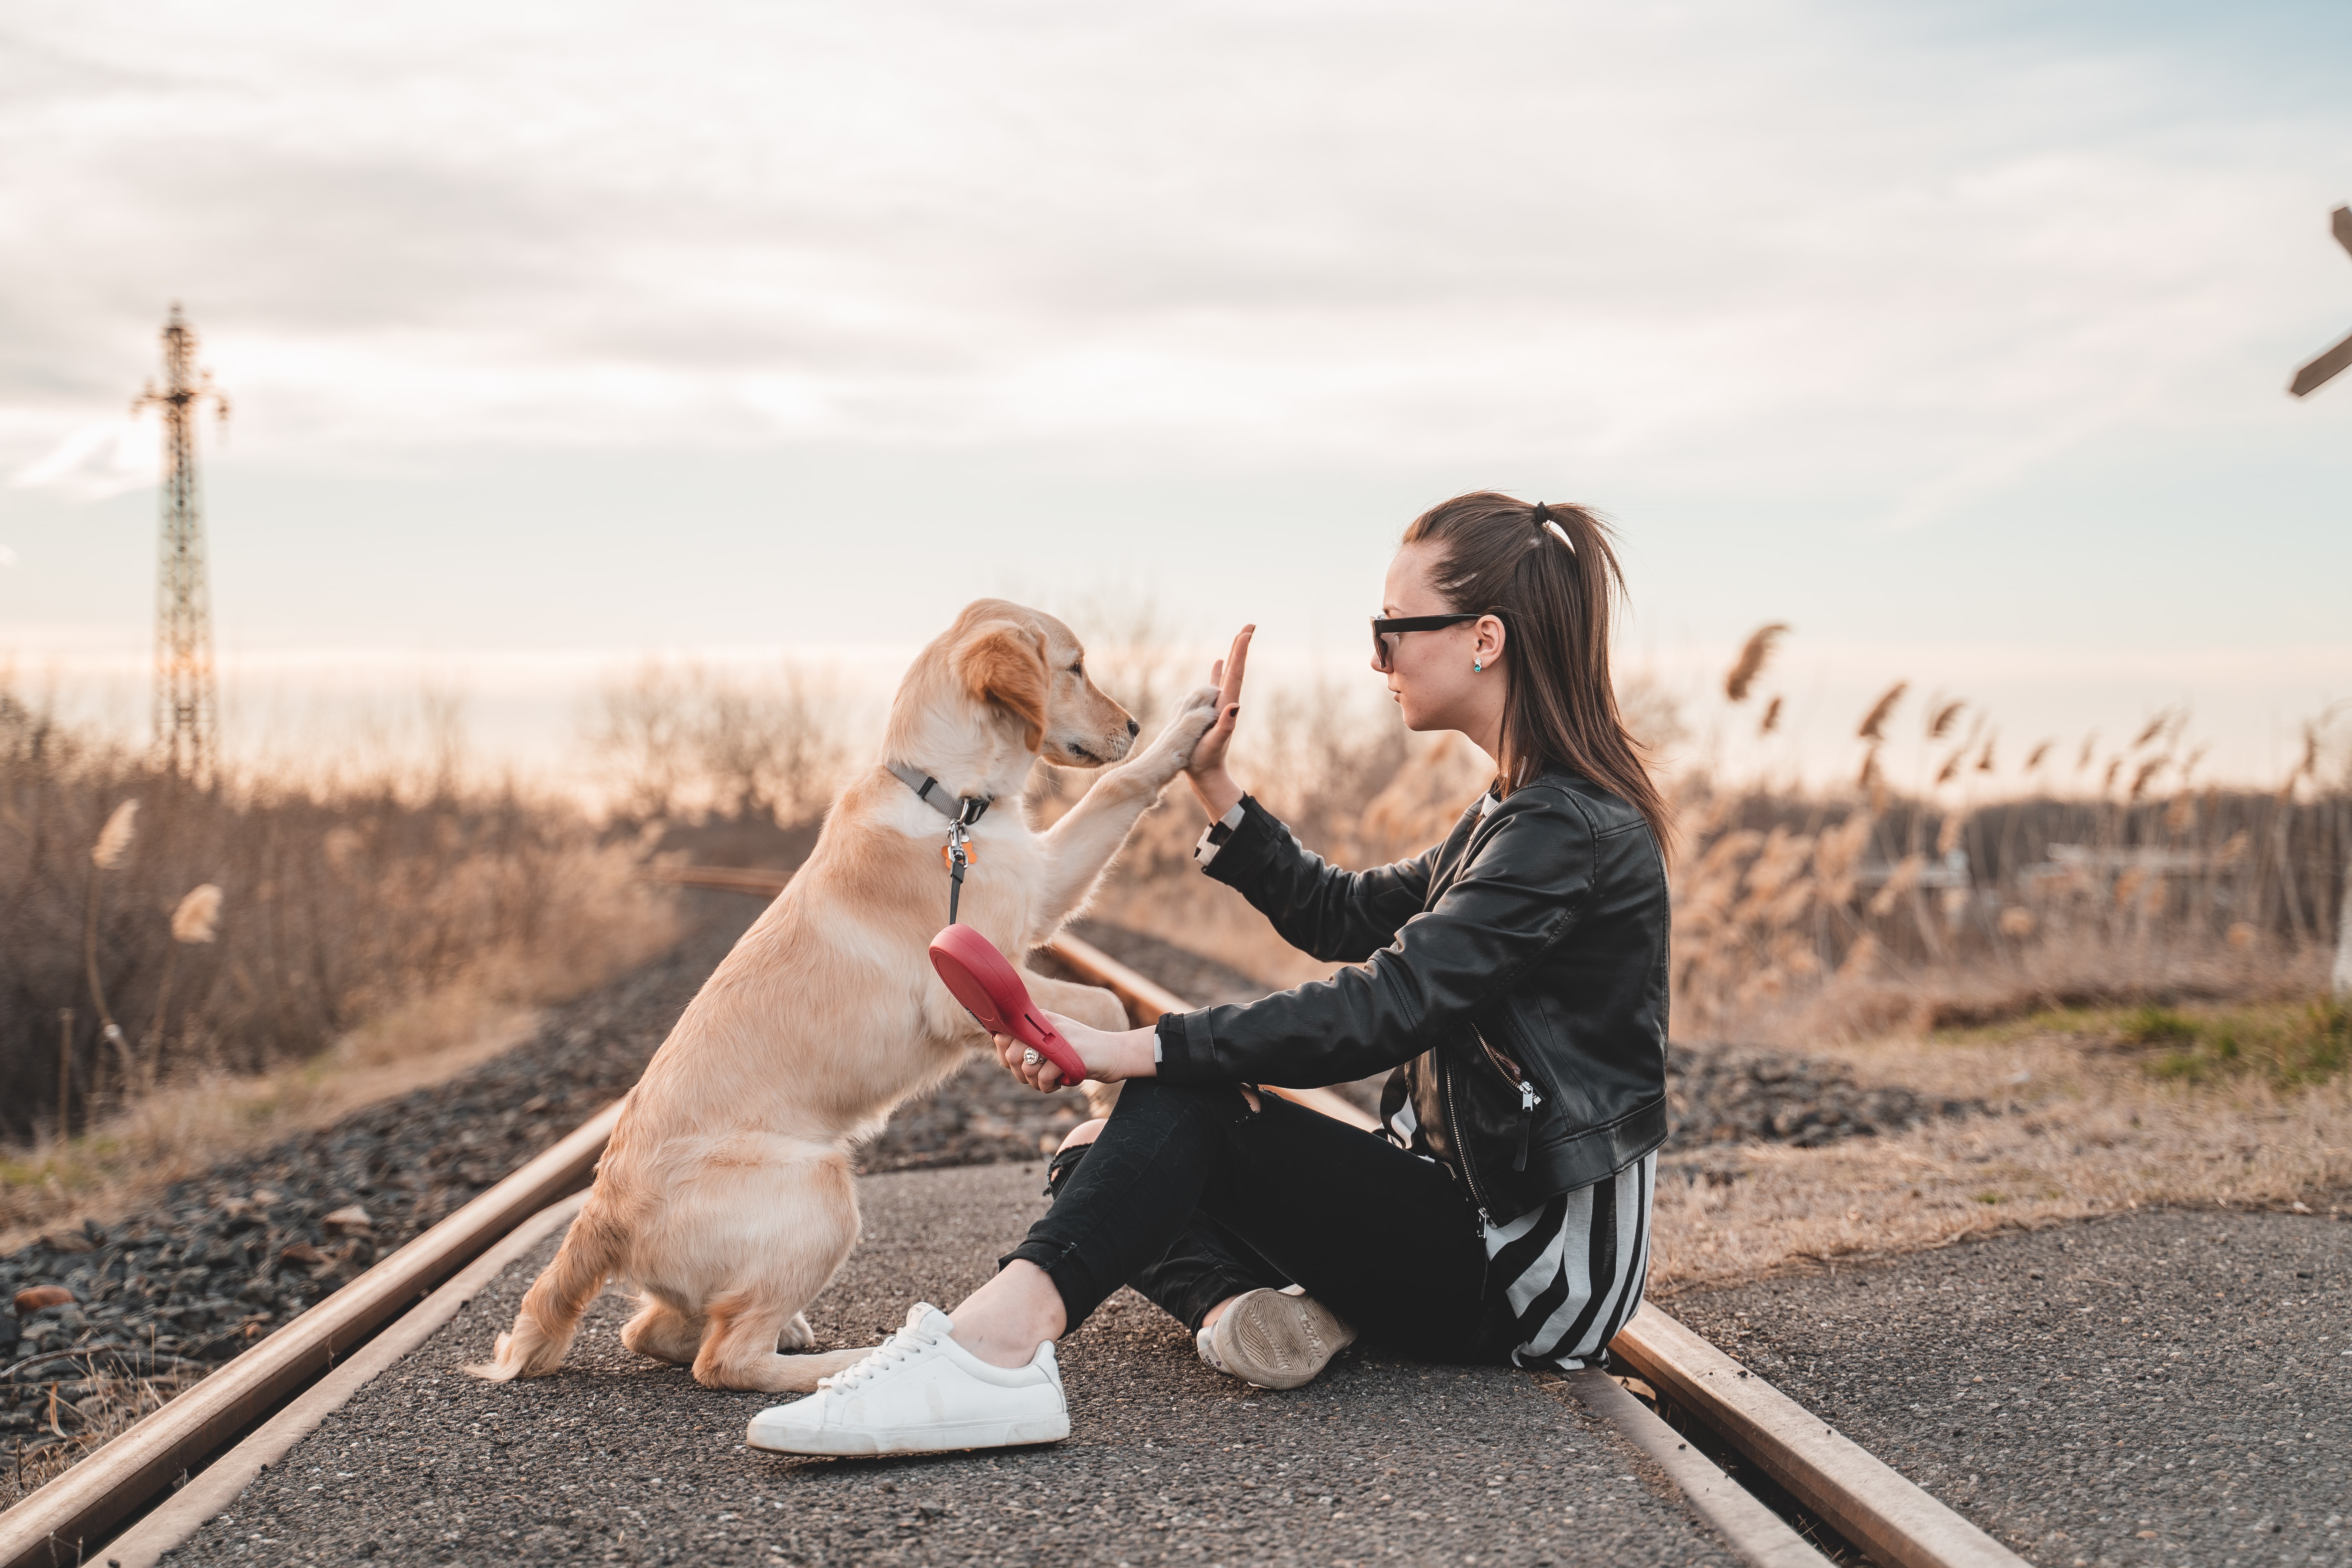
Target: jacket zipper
1454	1125
1528	1097
1528	1100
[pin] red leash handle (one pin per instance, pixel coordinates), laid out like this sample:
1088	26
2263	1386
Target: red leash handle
991	989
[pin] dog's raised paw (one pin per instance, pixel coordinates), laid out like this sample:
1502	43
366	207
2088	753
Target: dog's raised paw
1172	747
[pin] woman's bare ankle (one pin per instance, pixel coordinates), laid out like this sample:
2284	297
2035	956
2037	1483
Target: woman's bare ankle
1004	1321
1209	1322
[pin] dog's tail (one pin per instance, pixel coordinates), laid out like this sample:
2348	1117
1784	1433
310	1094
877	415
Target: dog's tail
549	1316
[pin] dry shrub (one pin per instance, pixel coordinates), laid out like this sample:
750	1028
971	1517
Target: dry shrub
682	740
335	904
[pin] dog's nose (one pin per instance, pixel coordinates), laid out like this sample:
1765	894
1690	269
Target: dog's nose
1132	727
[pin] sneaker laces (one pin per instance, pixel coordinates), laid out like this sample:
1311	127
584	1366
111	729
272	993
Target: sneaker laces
902	1346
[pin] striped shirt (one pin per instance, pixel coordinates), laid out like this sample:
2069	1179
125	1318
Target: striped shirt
1574	1268
1571	1268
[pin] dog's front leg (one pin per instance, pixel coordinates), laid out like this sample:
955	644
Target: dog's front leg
1079	847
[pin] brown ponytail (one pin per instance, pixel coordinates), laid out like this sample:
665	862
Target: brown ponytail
1501	557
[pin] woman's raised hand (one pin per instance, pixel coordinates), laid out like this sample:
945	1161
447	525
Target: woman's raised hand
1218	792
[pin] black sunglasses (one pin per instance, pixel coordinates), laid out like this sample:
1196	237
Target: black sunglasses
1386	629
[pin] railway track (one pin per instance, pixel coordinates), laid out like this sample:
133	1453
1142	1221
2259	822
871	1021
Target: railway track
153	1485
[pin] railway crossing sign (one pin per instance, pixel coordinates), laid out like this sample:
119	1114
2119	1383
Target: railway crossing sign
2308	379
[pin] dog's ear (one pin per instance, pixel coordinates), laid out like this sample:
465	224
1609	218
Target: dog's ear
1004	663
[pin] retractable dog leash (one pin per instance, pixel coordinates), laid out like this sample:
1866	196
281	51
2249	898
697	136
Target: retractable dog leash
988	985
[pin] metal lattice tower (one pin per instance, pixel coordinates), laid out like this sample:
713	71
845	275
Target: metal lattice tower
186	700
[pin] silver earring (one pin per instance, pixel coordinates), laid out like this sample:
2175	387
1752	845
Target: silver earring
1475	667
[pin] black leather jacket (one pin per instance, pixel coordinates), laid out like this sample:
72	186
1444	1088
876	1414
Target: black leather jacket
1514	977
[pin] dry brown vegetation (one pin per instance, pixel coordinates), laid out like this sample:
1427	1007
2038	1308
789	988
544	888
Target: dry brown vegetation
182	969
2087	877
105	1399
1986	888
678	740
1853	913
2088	1122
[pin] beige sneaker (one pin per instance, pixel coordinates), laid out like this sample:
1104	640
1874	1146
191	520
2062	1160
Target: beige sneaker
1275	1339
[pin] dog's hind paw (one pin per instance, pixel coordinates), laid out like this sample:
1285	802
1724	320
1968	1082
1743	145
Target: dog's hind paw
498	1368
797	1335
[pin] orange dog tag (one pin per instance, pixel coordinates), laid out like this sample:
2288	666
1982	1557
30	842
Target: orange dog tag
947	856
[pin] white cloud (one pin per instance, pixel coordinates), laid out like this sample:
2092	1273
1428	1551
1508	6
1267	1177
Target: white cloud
1750	245
104	457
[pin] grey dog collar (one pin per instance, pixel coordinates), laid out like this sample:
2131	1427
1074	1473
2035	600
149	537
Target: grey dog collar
967	809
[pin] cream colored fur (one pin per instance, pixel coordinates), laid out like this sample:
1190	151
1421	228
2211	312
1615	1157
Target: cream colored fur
726	1197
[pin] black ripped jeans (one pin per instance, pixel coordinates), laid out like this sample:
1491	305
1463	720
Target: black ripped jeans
1192	1197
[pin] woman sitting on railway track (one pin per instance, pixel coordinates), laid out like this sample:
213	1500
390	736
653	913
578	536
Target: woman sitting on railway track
1515	976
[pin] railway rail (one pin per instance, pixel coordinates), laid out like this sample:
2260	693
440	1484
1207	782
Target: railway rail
156	1482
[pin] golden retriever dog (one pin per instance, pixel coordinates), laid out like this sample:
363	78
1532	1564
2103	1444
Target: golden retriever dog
724	1197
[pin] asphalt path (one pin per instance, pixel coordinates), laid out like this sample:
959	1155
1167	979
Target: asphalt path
2167	1387
618	1459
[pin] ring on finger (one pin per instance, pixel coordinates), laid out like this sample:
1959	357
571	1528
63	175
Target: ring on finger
1030	1058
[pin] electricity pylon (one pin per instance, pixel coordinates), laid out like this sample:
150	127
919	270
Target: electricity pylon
186	700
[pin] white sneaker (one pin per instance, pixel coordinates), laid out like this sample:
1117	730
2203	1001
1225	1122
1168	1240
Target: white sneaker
921	1392
1274	1338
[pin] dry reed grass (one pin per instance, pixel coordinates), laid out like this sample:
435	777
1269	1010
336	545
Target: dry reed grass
242	964
1799	917
1753	654
1841	913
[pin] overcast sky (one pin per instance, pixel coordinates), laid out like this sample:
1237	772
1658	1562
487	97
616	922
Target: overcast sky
1955	335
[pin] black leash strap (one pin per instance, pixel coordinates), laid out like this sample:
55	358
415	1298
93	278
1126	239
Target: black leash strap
967	810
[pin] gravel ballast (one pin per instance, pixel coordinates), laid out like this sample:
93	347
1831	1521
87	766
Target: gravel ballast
620	1460
1719	1093
2155	1388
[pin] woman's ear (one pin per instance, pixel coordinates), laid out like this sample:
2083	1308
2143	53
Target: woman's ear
1488	640
1003	662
